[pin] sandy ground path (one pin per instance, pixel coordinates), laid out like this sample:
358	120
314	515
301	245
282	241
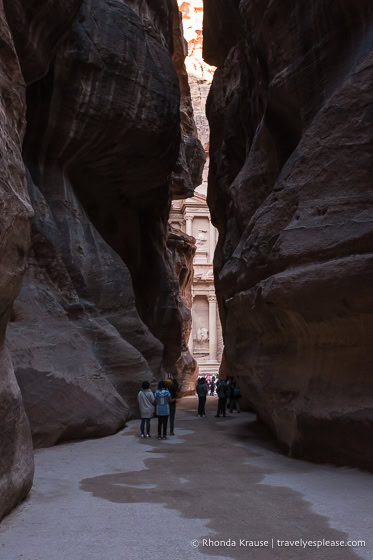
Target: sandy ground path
218	479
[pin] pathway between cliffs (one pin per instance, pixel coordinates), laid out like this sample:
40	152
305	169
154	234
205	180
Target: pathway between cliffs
209	492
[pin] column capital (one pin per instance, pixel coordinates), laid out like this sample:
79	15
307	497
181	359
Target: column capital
212	297
188	224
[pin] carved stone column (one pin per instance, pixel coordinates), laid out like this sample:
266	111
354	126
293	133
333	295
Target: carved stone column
213	334
190	341
212	242
188	224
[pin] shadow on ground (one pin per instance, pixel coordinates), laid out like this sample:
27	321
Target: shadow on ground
207	475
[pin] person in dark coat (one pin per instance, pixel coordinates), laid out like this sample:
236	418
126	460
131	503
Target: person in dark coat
235	395
172	385
228	384
212	386
201	390
222	389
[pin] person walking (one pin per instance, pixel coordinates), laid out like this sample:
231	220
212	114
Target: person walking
235	398
162	399
146	401
221	390
201	390
212	386
172	385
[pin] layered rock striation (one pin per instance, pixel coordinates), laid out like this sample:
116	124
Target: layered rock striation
200	74
183	249
16	458
187	173
100	309
290	190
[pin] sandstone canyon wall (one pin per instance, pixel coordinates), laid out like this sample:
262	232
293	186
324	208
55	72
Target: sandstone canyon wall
16	458
290	190
200	74
183	249
187	173
100	308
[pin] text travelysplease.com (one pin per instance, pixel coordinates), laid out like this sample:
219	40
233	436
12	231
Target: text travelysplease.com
301	543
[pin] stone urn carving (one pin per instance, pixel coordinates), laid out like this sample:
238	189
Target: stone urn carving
202	334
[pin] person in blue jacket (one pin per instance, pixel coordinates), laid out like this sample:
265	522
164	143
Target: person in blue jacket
162	399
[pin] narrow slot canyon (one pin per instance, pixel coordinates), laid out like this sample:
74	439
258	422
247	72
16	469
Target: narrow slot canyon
186	225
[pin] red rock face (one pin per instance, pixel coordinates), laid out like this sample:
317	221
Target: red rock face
16	460
100	309
187	173
183	249
199	73
290	189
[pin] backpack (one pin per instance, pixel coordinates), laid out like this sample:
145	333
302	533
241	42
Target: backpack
236	392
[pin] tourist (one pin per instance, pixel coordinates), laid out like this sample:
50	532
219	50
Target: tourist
228	384
212	386
221	390
162	398
172	385
201	390
146	401
235	395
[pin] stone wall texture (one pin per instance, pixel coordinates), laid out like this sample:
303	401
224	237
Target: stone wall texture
16	458
183	249
290	190
187	173
200	74
105	148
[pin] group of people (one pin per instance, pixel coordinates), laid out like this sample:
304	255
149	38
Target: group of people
211	384
162	404
228	393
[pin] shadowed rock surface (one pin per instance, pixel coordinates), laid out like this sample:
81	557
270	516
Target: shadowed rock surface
290	190
100	309
16	459
183	248
37	29
187	173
